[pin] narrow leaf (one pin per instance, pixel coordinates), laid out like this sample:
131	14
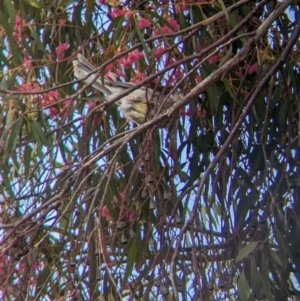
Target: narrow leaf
244	252
131	261
224	9
38	129
243	288
12	137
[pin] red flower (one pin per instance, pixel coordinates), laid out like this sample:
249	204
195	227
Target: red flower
132	58
139	76
159	52
50	99
135	56
62	21
29	87
200	113
163	30
19	23
131	215
118	12
120	73
240	74
103	2
213	58
16	36
66	108
198	78
252	69
109	68
122	196
27	63
60	51
105	213
144	23
174	24
187	113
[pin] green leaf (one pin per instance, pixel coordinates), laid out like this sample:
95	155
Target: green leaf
11	142
36	4
243	288
276	258
132	254
282	114
224	9
225	58
245	251
37	40
11	11
282	242
36	127
141	37
212	93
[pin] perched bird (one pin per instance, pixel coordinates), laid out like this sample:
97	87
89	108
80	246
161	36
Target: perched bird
138	106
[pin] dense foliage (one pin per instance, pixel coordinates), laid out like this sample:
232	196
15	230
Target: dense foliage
94	207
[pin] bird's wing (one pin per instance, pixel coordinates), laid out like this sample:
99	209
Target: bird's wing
82	68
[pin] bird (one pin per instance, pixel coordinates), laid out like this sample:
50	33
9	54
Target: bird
139	106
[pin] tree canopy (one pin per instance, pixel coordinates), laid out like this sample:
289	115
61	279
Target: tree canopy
95	207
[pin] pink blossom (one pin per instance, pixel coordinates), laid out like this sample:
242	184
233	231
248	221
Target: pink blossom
19	23
163	30
135	56
240	74
132	58
36	265
120	73
105	213
52	95
122	196
131	215
118	12
186	113
159	52
49	99
54	112
109	68
177	9
200	113
60	51
29	87
139	76
198	78
16	36
144	23
62	21
66	108
213	58
103	2
252	69
91	104
125	63
174	24
178	74
27	63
